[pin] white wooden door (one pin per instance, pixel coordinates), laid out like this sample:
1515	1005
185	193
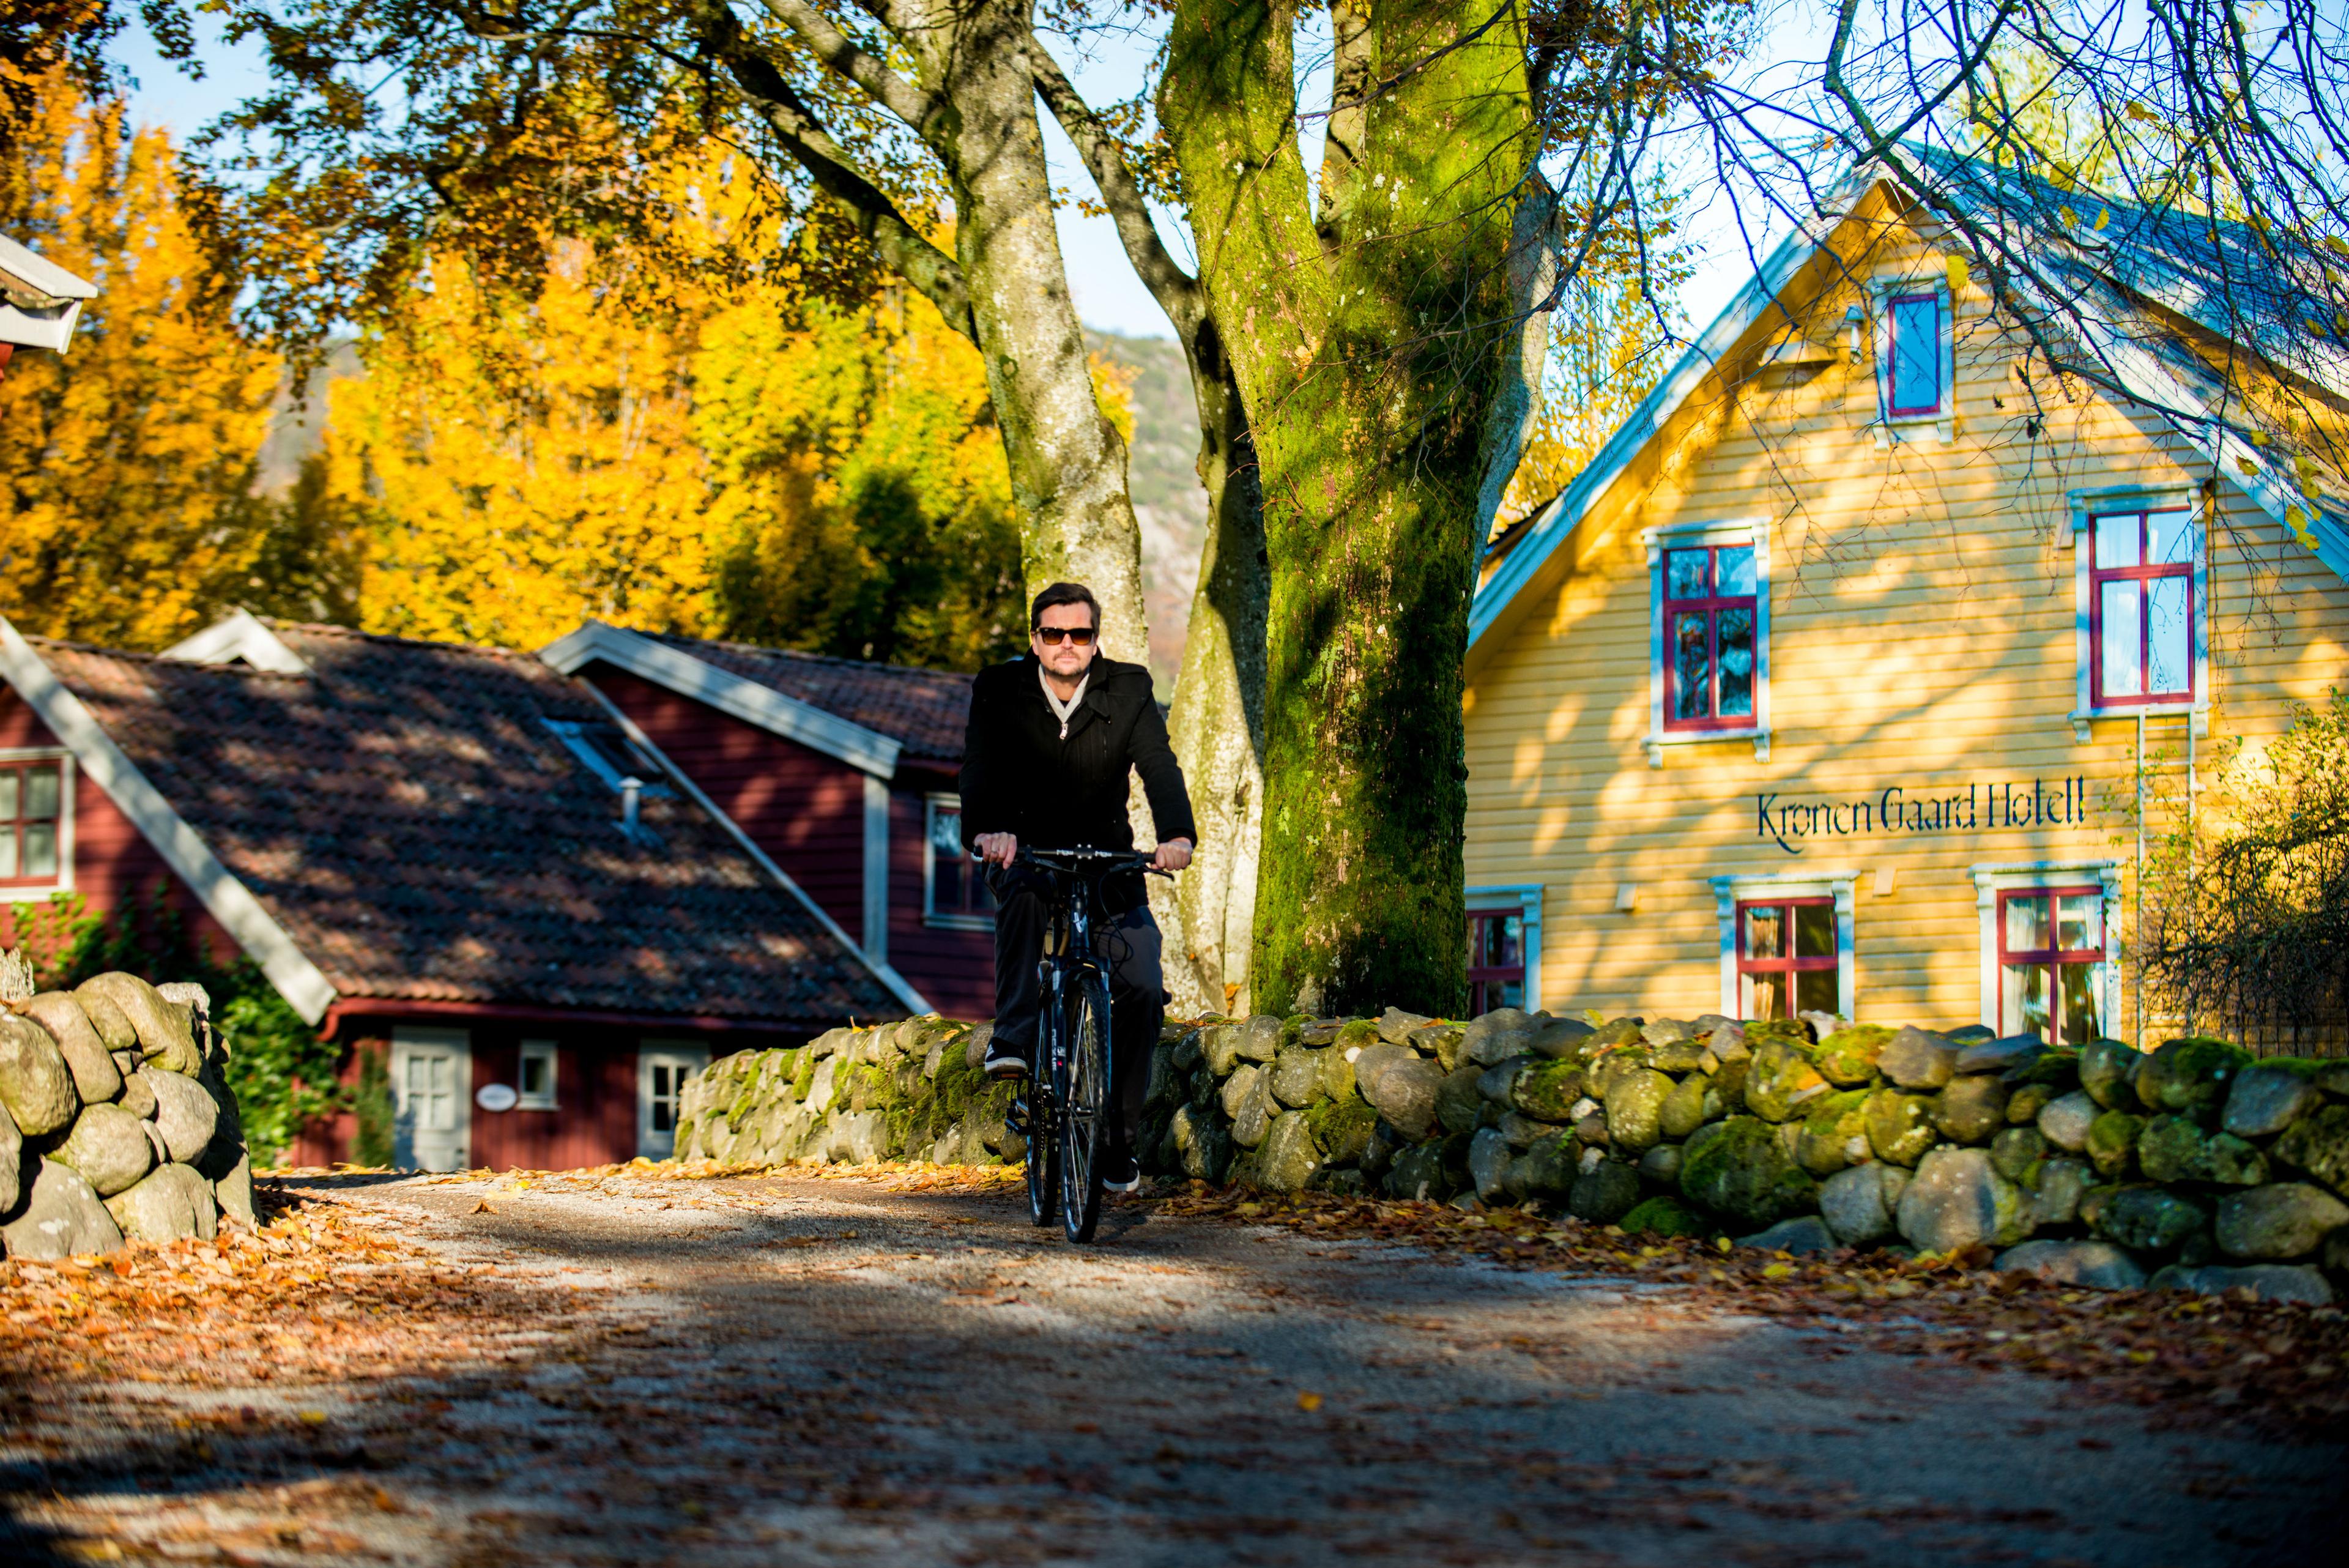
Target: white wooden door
662	1068
432	1092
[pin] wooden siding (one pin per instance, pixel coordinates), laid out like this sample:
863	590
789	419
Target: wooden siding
953	967
806	810
1922	635
112	861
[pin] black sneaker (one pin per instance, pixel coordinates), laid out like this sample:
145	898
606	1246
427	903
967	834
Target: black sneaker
1004	1062
1119	1172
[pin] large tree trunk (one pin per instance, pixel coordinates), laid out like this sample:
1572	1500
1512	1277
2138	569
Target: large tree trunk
1068	462
1368	347
1218	722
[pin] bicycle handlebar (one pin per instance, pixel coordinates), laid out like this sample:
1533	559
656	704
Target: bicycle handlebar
1085	859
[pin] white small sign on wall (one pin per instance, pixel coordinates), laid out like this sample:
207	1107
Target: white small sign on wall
495	1096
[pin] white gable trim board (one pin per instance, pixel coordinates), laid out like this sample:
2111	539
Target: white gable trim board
240	635
899	987
184	849
732	694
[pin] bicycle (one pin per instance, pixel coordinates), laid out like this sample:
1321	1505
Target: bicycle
1063	1111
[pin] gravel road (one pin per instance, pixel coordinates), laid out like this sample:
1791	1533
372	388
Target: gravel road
801	1370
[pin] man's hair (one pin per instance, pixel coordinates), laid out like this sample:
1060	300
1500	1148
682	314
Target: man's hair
1063	594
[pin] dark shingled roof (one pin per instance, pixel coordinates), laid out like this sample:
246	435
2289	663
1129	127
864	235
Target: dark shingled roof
406	815
922	710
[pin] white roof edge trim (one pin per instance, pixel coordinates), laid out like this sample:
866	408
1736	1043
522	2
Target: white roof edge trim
239	635
2233	457
225	898
897	984
1565	514
42	273
744	699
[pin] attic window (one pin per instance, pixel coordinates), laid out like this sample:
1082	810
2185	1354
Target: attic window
1916	358
611	756
1915	374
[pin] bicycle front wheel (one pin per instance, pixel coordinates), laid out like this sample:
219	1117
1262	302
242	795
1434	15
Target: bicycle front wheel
1083	1097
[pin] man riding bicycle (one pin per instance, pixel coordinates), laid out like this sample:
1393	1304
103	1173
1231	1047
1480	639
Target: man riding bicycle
1053	737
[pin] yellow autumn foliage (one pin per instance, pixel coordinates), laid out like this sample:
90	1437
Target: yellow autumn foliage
127	516
526	467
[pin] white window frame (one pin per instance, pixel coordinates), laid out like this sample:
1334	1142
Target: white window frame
63	882
931	805
1527	899
690	1053
1730	891
573	733
2017	876
1943	422
538	1050
1735	531
2086	505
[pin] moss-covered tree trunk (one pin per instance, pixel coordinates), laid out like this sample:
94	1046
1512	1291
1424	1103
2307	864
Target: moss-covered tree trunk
1366	339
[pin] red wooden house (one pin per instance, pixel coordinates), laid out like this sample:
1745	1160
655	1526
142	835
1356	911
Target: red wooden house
841	773
459	855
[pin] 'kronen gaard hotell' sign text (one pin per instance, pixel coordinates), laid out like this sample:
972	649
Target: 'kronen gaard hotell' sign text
1977	809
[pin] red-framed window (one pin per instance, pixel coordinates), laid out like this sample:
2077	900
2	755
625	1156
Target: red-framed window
1913	374
1496	959
2051	964
32	800
2141	607
1788	962
1710	631
957	893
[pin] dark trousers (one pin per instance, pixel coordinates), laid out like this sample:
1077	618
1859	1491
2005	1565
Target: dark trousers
1127	946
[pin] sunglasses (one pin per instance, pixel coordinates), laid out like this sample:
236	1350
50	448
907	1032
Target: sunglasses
1083	636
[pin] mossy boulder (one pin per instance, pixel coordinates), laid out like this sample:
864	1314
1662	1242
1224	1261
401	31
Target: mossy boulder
1916	1060
1547	1091
1202	1146
36	1087
2192	1075
1289	1158
1547	1168
1261	1038
2016	1150
1692	1102
1342	1128
95	1077
2111	1142
2108	1070
2023	1106
1661	1166
1337	1073
1297	1075
2146	1218
1634	1109
1446	1043
2172	1148
1605	1193
1900	1127
2318	1144
1745	1173
1664	1216
1561	1039
1677	1056
1459	1105
2285	1219
1835	1133
1433	1170
1970	1108
1780	1080
1604	1067
2234	1161
2266	1100
110	1148
1846	1058
1957	1199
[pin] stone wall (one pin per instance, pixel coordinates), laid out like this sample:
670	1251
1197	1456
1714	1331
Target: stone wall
2192	1166
115	1119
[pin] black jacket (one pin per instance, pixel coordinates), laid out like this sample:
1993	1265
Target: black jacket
1018	776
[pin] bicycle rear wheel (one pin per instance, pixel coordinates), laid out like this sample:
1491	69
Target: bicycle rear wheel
1082	1095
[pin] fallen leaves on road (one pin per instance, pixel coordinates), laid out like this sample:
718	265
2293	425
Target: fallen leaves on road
311	1294
2281	1364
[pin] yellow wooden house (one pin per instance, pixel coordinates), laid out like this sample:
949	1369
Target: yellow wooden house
1833	682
